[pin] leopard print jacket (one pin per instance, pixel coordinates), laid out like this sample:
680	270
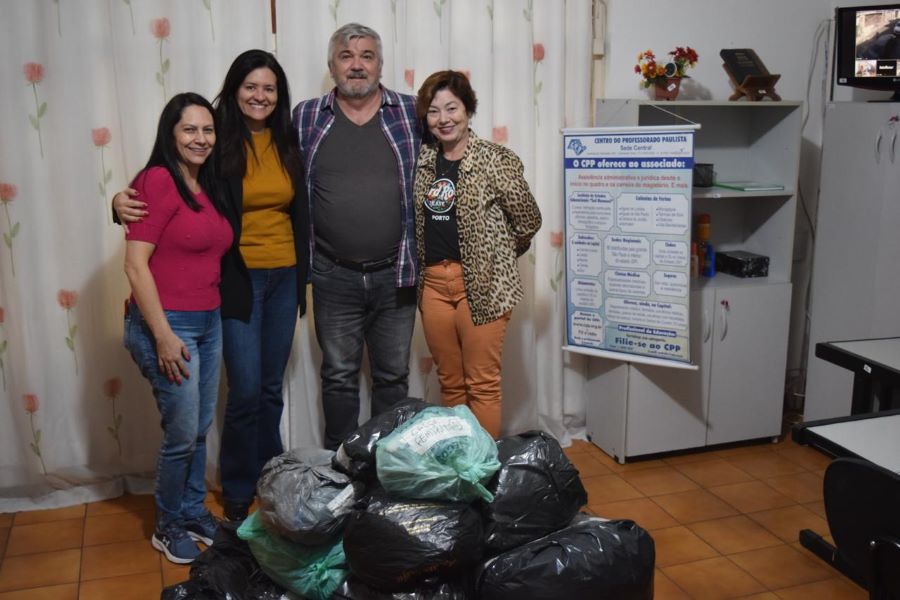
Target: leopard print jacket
496	215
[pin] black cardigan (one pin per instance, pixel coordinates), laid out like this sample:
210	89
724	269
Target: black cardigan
235	287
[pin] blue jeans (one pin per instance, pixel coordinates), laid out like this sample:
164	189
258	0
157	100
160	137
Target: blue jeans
186	410
351	308
256	354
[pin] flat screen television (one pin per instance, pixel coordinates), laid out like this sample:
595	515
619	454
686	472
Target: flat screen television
867	40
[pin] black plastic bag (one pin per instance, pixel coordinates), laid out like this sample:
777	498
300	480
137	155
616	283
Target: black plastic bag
302	498
356	455
589	560
226	569
354	589
396	545
536	491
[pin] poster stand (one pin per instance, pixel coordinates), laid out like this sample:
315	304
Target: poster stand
628	234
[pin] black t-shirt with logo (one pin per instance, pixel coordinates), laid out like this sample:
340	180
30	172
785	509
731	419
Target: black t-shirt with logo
441	233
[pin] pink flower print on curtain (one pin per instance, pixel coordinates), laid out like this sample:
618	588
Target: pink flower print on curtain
409	76
67	300
3	346
161	29
111	389
500	135
537	56
31	404
34	74
556	242
7	194
101	137
426	365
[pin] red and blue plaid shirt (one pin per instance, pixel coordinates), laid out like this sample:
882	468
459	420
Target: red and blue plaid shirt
313	119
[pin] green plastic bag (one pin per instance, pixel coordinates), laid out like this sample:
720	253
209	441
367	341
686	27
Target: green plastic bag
310	571
441	453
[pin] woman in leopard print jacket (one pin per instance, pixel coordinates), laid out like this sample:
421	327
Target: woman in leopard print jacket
475	215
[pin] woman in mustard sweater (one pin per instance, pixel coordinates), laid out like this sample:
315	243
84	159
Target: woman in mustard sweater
264	274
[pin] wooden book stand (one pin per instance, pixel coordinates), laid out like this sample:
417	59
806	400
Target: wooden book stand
748	75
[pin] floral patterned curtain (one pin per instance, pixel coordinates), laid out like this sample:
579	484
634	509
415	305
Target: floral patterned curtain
83	84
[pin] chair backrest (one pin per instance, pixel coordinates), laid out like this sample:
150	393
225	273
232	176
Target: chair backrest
862	505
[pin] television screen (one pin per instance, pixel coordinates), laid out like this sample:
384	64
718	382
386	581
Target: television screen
868	46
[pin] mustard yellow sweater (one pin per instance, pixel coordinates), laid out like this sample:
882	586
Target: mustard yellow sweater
267	239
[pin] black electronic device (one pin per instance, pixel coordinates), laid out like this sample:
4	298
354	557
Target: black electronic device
867	43
742	264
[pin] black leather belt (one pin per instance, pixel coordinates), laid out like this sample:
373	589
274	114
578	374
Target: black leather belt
363	267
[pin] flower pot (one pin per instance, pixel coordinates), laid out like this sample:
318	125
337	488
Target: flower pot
667	89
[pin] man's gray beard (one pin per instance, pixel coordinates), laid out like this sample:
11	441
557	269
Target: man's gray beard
346	89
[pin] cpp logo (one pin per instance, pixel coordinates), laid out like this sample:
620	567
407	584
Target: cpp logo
576	146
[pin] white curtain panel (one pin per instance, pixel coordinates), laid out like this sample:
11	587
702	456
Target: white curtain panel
82	83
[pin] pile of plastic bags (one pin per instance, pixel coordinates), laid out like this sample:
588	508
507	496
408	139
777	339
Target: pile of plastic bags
421	503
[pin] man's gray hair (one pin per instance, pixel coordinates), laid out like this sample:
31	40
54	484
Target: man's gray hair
351	31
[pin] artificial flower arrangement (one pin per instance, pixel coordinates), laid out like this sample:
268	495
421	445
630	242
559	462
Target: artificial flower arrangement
653	72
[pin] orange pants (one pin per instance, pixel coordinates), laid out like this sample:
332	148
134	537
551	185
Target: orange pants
467	356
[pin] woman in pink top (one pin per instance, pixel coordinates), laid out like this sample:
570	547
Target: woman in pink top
172	327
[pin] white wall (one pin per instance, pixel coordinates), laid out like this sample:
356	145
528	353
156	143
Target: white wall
792	37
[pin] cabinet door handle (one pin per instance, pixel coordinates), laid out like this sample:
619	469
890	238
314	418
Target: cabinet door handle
723	311
893	143
878	147
707	326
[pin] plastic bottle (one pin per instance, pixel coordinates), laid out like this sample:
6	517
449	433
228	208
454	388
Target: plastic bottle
709	261
706	251
703	228
695	259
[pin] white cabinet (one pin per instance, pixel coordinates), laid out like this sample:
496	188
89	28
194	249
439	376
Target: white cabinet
748	352
855	278
739	327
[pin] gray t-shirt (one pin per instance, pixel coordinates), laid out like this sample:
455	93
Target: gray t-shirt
357	195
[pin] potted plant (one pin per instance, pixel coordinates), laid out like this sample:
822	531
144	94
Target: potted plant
665	77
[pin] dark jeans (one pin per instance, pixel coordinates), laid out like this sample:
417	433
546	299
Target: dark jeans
256	354
186	409
351	308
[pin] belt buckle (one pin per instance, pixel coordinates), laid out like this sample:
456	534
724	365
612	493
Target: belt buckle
376	265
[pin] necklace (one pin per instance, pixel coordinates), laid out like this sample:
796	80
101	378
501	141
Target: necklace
444	167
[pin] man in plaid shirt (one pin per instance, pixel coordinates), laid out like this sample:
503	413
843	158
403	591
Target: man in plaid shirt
359	145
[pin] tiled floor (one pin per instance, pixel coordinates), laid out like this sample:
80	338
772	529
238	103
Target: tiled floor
725	521
725	524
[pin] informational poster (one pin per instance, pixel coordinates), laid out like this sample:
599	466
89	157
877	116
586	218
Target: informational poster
628	242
